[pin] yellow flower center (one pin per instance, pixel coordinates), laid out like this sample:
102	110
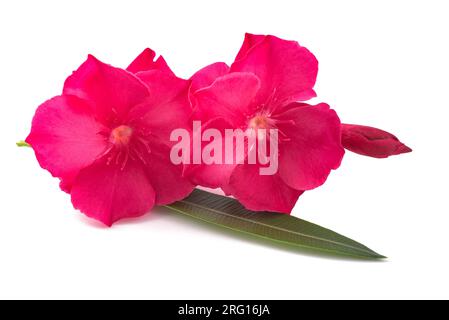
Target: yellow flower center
258	122
121	136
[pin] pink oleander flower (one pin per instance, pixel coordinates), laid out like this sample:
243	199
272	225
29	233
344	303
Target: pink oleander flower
261	90
106	137
371	141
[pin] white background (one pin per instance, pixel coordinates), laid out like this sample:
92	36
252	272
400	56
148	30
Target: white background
382	63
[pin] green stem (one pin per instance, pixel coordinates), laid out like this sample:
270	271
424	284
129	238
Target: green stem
22	143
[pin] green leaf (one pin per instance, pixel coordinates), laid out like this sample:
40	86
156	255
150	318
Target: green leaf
282	228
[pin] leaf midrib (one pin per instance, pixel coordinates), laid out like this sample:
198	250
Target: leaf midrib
278	228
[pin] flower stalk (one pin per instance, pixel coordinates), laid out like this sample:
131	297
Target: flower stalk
22	143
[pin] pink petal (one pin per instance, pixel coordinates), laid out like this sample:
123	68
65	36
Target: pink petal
261	192
145	62
163	87
286	70
65	137
229	97
168	106
207	75
165	177
371	142
213	175
109	193
311	146
248	43
112	91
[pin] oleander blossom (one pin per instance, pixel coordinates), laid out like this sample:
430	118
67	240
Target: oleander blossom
262	90
107	137
372	142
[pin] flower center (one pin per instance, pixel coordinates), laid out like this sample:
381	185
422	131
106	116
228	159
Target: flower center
126	143
121	136
258	122
263	124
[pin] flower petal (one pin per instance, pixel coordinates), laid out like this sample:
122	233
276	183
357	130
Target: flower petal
65	137
167	108
313	147
109	192
112	91
371	141
212	175
248	43
229	97
207	75
286	70
165	177
145	62
261	192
